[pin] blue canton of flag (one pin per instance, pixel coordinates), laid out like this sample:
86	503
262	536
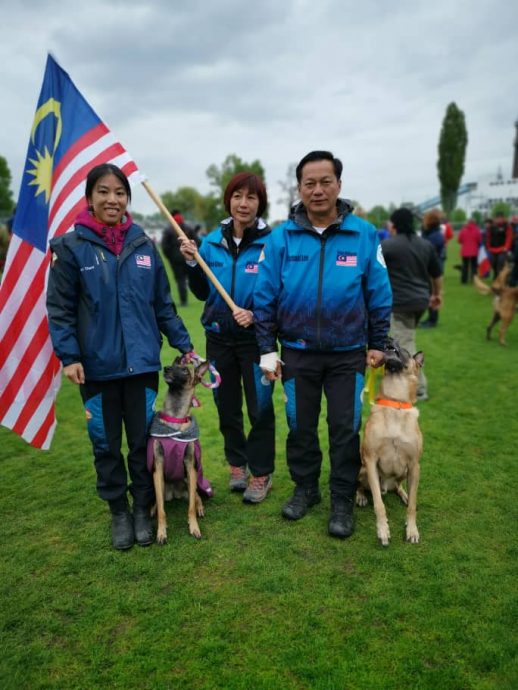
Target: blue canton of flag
67	140
346	259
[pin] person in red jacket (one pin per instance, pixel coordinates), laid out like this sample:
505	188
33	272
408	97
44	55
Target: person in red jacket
499	239
470	239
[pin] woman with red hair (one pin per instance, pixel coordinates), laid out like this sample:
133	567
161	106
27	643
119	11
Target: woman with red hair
233	253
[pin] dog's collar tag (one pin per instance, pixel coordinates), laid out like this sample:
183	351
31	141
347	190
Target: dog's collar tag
393	403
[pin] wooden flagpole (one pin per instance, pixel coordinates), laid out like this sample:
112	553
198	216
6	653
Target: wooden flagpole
201	262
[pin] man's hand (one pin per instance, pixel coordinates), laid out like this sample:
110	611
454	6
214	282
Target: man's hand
435	301
375	358
75	372
271	366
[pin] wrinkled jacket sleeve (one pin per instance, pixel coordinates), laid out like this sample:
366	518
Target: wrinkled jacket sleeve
167	317
62	305
378	298
267	291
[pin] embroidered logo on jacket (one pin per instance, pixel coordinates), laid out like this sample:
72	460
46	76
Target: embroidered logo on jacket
251	267
143	260
346	259
298	257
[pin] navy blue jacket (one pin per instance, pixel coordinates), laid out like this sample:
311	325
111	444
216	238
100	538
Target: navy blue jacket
328	292
108	311
236	268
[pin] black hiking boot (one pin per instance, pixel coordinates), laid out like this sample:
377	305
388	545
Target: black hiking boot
303	498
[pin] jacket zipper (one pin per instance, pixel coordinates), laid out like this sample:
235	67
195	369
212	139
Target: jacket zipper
323	240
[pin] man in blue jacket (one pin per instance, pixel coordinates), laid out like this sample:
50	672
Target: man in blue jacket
323	291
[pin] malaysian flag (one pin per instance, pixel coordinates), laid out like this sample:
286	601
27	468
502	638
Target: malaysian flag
346	259
67	139
143	260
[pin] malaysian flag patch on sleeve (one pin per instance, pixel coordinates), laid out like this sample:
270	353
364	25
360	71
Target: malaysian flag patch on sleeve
143	260
251	267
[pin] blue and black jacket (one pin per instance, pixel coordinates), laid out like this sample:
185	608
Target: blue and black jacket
236	268
108	311
328	292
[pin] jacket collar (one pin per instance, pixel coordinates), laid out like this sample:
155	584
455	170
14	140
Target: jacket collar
299	216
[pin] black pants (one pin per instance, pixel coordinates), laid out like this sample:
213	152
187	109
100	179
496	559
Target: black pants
340	375
109	405
180	273
238	364
469	269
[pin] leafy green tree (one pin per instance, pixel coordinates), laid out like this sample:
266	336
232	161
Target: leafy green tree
378	215
458	216
477	217
220	177
453	141
188	201
6	196
501	207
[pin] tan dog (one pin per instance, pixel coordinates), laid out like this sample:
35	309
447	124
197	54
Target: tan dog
392	442
504	303
174	453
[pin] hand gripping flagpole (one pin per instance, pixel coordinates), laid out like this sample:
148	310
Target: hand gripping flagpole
210	275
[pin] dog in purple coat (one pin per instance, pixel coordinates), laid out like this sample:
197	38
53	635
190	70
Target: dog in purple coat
174	451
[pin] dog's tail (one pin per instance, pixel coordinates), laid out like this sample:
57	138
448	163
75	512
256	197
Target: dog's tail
481	287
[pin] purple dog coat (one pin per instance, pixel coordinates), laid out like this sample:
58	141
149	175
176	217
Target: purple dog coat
174	446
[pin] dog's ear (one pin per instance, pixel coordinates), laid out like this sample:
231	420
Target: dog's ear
419	358
201	370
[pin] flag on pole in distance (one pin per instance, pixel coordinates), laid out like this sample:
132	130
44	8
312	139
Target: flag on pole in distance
483	264
67	139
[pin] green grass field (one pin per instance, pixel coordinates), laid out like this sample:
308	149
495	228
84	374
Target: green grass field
260	603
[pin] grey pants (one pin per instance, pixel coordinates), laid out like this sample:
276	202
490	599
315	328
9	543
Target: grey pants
402	328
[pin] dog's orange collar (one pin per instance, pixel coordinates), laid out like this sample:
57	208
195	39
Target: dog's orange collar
394	403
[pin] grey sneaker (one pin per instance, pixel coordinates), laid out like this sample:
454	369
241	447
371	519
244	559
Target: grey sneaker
258	488
237	478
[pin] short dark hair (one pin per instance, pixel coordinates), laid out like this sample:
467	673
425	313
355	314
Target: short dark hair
319	156
253	183
99	171
403	220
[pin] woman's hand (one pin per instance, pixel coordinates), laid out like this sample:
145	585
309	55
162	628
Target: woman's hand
75	372
244	317
188	249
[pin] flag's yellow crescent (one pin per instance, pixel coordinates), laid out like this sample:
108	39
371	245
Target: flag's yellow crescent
50	106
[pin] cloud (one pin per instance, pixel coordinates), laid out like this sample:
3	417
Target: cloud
185	85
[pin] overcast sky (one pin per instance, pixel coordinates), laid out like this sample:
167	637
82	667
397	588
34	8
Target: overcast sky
183	84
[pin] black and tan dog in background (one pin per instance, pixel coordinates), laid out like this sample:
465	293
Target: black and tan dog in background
505	300
174	453
392	443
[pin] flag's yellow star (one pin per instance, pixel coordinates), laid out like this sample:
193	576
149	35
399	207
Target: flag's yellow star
42	172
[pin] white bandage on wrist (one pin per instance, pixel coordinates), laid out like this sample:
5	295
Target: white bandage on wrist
269	361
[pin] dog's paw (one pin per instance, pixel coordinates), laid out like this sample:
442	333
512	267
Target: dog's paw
361	499
412	534
194	530
161	537
383	533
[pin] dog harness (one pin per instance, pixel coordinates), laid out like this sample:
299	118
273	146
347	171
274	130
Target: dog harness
174	444
398	404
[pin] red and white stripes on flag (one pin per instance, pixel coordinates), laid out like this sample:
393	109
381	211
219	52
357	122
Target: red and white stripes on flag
30	374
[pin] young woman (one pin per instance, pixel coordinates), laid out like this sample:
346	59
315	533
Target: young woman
108	300
233	252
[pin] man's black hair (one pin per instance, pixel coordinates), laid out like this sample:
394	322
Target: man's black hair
319	156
